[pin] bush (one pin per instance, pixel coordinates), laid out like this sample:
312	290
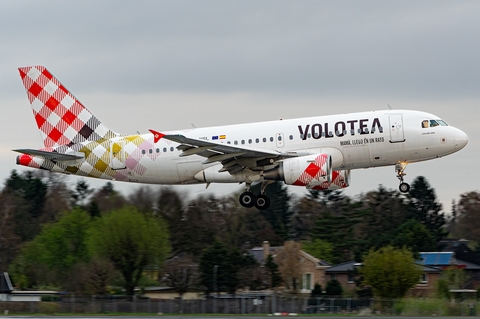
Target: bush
334	288
48	308
50	298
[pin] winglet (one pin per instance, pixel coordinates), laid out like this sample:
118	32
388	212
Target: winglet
156	135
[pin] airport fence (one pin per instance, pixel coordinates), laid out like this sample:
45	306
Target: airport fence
243	305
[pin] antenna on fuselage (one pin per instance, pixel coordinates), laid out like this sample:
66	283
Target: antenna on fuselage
193	125
389	107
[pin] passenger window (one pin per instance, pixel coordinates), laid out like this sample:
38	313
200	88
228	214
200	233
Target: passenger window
158	150
264	140
171	149
236	142
291	137
271	139
425	124
243	141
150	151
250	141
279	137
164	149
257	140
143	151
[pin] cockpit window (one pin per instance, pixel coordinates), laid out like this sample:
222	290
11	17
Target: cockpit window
433	123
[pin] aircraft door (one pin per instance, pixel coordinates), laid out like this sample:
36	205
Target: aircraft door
396	128
117	155
279	139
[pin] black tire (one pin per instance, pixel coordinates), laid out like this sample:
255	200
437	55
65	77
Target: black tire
247	199
404	187
262	202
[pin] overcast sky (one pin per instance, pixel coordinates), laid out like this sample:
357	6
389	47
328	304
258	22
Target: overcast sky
166	64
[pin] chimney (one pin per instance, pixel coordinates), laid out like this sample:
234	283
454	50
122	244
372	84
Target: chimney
266	250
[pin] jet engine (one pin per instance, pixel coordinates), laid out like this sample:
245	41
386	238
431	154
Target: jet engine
309	171
340	179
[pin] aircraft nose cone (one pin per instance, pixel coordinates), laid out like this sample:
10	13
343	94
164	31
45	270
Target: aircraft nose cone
461	139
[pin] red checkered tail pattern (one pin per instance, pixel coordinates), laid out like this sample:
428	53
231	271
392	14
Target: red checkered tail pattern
60	117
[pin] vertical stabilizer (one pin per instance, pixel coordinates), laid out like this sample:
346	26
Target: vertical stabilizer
60	117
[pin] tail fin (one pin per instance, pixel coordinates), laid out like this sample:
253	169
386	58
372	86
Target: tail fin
60	117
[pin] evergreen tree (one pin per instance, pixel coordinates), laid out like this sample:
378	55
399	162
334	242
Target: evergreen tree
317	291
337	225
415	236
333	288
219	269
29	196
279	213
320	249
274	277
423	206
385	210
81	193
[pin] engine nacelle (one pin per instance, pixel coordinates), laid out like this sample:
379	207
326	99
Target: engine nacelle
340	179
310	171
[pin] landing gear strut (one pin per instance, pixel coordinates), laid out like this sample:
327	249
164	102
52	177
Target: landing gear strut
248	199
399	168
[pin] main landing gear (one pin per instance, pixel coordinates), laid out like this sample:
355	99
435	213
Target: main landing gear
249	199
399	168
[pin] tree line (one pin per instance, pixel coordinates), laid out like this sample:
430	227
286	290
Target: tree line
88	240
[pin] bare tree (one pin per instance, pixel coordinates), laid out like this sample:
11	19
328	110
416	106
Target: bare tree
180	273
144	198
288	260
467	223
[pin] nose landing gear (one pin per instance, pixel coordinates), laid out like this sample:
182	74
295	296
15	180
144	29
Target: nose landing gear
399	168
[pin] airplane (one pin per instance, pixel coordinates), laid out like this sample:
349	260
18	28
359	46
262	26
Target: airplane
313	152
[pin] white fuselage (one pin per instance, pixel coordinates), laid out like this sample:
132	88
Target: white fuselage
355	140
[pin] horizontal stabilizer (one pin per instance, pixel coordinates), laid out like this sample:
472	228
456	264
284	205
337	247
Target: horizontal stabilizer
72	158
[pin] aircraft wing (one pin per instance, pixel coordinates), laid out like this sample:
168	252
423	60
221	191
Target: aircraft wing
54	156
233	157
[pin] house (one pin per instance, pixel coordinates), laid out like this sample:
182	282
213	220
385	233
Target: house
448	260
311	270
163	292
347	273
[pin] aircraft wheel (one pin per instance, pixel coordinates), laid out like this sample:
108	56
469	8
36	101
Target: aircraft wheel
404	187
262	202
247	199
